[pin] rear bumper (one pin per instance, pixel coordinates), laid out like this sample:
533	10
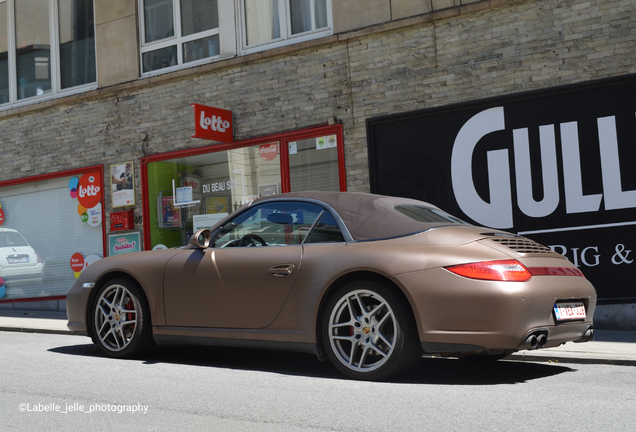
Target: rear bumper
456	314
554	336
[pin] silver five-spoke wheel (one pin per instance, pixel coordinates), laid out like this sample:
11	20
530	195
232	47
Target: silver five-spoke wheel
116	317
362	330
367	332
121	321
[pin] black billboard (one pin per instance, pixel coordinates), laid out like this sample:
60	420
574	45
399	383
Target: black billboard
557	166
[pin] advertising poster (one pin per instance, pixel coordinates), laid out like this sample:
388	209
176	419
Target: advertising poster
87	189
206	220
170	215
122	184
555	166
123	243
268	190
214	205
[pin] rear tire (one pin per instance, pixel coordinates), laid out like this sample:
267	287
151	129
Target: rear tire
368	333
121	319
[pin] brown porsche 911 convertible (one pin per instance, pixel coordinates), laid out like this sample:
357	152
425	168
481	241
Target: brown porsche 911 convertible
370	282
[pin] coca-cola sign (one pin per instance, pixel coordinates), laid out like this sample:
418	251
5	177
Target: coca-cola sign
212	123
269	151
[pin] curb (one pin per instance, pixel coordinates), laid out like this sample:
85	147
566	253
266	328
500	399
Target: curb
37	330
556	358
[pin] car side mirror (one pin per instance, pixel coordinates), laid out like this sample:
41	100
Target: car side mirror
201	238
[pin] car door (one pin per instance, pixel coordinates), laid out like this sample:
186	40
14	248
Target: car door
244	281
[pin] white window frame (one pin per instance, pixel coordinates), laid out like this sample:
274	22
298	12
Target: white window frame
227	42
286	38
56	80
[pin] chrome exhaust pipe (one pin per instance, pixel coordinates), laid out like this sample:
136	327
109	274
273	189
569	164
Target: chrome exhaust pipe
587	336
530	343
542	340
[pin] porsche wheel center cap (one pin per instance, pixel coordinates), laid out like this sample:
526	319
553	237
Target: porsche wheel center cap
366	330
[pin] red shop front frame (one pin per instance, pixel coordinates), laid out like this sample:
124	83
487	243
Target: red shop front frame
283	139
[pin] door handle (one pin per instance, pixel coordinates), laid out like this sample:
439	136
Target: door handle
281	270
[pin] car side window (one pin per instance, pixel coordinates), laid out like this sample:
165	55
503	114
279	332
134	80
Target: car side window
325	231
277	223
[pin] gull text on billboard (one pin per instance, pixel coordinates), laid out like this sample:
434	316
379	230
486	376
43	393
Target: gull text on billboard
498	212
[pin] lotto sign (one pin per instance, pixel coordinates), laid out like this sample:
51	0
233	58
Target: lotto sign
212	123
89	192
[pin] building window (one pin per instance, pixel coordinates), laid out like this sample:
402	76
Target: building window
47	47
77	43
271	23
180	33
177	32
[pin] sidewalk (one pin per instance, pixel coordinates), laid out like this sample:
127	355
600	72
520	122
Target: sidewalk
34	321
609	346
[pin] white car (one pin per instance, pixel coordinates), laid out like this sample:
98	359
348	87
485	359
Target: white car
19	264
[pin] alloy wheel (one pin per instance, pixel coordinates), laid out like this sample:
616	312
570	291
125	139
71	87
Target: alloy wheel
116	317
362	330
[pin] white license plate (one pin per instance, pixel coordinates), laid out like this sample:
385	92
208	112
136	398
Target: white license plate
569	311
17	260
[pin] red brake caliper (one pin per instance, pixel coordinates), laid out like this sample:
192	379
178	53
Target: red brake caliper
130	316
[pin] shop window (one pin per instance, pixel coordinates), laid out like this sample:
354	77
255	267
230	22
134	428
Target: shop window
313	164
51	50
219	183
271	23
178	32
48	235
219	179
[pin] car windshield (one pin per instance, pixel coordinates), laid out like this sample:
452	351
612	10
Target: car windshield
12	239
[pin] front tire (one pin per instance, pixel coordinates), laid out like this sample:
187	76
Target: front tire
121	319
368	333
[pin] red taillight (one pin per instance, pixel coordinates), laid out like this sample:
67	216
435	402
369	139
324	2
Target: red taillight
509	270
555	271
505	270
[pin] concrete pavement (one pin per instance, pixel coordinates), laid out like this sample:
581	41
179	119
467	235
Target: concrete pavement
609	346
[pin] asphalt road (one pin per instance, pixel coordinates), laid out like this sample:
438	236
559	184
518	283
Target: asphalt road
59	382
